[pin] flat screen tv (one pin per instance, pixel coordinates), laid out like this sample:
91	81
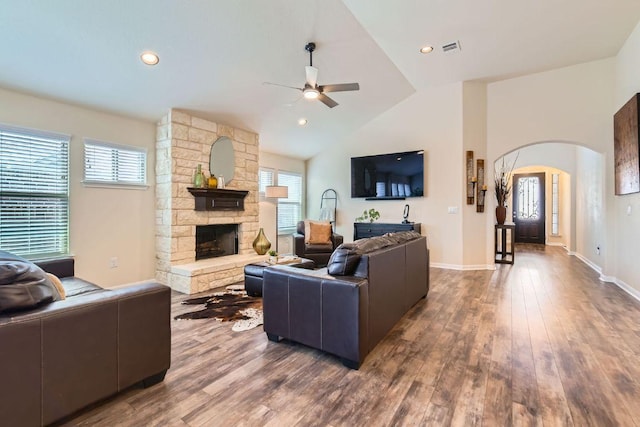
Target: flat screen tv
392	176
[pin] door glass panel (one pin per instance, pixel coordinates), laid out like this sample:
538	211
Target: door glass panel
528	198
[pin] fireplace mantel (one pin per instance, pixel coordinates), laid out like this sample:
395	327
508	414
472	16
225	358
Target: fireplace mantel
218	199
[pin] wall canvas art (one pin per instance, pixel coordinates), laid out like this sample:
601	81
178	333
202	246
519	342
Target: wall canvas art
626	142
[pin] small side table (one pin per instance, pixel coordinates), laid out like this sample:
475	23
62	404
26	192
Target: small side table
504	247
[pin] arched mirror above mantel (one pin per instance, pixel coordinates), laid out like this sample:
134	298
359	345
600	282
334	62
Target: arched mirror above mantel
222	161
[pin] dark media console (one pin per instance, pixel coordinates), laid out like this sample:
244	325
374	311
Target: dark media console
370	229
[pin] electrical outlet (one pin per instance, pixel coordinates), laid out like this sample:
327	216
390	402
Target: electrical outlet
597	250
113	262
452	209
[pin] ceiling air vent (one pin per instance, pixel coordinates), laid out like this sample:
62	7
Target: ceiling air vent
451	47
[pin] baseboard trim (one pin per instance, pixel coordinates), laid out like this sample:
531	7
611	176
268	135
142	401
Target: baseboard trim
633	292
587	261
627	288
462	267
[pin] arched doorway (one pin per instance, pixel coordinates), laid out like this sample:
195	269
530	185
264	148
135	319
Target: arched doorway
574	219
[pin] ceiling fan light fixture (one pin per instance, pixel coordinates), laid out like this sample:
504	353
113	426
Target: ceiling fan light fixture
311	93
149	58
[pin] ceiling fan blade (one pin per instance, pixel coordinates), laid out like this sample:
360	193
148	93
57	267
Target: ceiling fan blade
339	87
277	84
312	75
327	101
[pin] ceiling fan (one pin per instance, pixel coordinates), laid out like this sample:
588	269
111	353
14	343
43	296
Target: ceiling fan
312	90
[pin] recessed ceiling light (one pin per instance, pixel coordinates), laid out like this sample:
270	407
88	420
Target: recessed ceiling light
149	58
426	49
302	121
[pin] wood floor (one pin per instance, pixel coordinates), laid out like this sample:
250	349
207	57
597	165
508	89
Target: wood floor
542	342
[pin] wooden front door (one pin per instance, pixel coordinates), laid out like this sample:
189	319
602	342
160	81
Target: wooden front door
528	207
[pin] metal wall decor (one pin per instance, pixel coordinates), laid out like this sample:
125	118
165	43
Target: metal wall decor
471	179
480	186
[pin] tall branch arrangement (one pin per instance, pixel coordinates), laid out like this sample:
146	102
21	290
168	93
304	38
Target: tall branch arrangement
502	178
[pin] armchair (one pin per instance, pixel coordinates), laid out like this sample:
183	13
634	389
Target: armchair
318	252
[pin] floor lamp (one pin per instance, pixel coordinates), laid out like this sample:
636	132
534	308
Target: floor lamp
276	192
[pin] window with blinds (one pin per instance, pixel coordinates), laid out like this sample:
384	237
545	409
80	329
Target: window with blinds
555	179
265	179
34	192
290	209
111	164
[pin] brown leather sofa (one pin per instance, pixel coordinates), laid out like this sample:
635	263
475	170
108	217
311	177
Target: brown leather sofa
318	253
64	355
349	306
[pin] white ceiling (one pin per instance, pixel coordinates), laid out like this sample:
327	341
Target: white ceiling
216	54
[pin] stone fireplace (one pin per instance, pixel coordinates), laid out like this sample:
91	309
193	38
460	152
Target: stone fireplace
183	142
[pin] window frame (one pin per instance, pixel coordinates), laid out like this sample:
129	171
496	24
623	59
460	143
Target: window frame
555	204
39	224
118	149
274	181
286	202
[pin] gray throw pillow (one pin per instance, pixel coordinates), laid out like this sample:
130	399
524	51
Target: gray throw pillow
23	285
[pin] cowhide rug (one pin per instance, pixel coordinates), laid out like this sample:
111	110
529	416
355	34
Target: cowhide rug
230	306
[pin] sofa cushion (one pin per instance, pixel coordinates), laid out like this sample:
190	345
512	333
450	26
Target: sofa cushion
317	232
74	286
318	249
23	285
367	245
344	260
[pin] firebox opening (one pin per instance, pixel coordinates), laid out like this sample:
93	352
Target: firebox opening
216	240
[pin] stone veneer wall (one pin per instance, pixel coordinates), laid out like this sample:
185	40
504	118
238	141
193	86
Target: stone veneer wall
184	141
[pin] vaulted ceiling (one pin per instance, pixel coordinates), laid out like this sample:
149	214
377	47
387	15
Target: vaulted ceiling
215	55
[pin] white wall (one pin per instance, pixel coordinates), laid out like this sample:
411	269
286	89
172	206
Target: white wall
430	120
590	208
626	226
474	135
268	207
104	223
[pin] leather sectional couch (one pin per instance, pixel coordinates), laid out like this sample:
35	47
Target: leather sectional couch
65	354
349	306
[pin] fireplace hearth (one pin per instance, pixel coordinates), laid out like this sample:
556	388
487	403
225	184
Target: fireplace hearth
216	240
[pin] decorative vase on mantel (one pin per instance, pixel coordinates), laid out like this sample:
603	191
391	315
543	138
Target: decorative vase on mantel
501	214
261	244
198	178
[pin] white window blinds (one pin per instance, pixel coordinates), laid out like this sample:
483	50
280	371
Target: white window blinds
265	179
112	164
555	179
290	209
34	192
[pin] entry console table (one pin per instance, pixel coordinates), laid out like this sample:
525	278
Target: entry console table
370	229
504	243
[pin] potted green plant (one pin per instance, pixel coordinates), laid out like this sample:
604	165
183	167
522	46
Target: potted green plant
368	215
273	257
